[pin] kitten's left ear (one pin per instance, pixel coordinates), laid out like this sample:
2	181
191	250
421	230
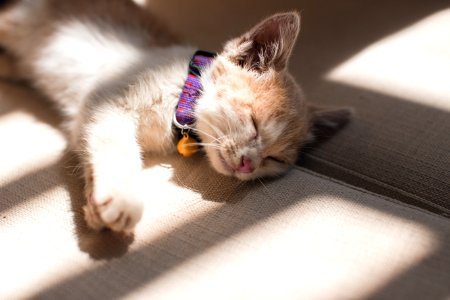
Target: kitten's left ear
267	45
325	121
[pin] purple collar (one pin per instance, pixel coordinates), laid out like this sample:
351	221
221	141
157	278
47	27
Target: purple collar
184	114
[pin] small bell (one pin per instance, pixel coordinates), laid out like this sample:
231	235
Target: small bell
187	146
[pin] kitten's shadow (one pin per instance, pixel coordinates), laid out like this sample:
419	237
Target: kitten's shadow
196	174
192	173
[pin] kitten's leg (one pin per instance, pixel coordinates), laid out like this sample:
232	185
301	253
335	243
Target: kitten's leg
113	165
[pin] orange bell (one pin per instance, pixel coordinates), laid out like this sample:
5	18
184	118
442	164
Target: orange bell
187	146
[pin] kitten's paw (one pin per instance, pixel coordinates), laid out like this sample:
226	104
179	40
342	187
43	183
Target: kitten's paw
119	210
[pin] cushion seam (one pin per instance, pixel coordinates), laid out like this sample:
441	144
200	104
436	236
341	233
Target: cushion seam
446	212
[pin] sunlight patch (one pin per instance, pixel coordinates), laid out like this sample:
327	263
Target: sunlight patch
32	258
324	245
140	2
412	64
31	146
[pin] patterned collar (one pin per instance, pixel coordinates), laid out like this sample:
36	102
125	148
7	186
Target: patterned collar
184	114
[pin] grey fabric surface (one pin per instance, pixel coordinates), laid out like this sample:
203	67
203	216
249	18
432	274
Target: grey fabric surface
398	143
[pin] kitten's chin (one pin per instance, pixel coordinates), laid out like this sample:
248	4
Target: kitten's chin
245	176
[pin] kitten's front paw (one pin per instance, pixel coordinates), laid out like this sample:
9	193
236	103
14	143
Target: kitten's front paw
119	210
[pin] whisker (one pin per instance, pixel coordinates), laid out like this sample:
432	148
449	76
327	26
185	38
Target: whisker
204	132
220	138
227	120
216	130
217	146
220	134
228	124
268	193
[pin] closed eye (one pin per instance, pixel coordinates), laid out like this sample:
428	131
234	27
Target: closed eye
254	123
255	136
276	159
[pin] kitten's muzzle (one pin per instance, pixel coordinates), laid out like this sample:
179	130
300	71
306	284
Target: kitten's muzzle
246	165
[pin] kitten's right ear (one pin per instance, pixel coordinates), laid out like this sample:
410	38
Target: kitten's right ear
267	45
325	121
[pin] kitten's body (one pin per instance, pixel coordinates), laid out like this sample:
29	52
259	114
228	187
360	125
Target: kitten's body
117	76
75	51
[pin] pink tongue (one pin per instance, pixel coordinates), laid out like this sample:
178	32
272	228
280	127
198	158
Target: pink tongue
246	165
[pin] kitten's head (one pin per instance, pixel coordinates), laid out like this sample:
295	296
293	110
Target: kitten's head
252	112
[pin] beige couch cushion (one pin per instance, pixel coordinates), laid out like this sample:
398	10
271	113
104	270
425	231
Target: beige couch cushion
204	236
399	141
389	60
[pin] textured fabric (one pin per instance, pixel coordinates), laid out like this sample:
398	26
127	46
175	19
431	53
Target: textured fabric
399	139
387	59
202	235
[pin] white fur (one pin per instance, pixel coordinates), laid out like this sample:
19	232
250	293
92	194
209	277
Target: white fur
121	126
85	54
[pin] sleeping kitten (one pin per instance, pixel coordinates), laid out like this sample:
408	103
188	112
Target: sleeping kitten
117	75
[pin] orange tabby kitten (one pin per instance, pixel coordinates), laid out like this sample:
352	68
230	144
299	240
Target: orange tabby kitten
117	75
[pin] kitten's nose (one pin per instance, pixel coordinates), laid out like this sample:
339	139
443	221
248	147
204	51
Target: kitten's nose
246	165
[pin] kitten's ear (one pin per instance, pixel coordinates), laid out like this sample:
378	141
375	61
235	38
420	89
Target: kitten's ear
325	121
267	45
